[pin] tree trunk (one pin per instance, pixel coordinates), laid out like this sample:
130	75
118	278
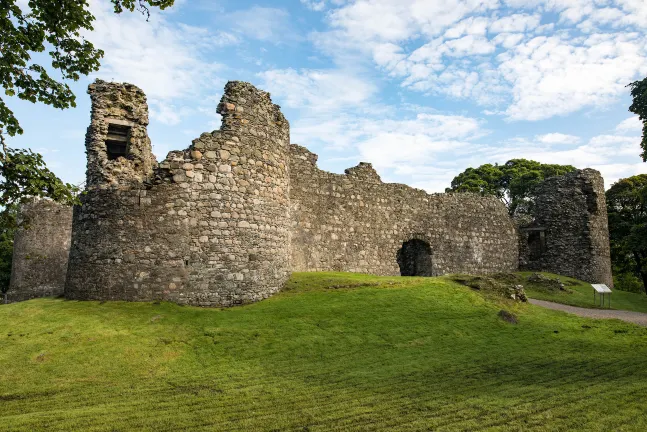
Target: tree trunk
644	277
5	298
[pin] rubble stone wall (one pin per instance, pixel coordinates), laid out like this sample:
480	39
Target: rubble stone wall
571	210
354	222
226	220
209	226
41	247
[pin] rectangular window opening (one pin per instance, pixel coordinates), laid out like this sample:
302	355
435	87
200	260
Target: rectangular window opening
117	141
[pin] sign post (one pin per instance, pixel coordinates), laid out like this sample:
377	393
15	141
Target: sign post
602	290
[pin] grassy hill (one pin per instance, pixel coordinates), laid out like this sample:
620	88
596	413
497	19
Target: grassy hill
332	352
580	293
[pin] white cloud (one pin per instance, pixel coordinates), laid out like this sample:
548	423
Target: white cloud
503	57
556	76
630	125
471	25
557	138
315	5
515	23
261	22
168	61
337	110
168	113
612	172
317	90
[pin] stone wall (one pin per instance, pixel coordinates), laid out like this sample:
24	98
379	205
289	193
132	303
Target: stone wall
226	220
209	226
570	232
354	222
41	247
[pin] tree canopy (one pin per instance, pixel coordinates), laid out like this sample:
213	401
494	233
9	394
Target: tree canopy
56	26
512	182
639	107
627	210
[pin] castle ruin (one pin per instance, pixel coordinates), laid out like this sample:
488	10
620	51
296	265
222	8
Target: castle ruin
227	220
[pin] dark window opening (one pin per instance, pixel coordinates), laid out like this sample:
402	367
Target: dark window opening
117	141
536	244
414	258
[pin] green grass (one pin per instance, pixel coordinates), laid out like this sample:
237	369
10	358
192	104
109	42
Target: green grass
332	352
581	294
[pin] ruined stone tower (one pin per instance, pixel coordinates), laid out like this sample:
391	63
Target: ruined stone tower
570	231
40	250
208	226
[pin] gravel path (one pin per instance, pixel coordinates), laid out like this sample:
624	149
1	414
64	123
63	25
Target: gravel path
628	316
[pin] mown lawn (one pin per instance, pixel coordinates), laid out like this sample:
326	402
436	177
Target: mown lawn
332	352
581	294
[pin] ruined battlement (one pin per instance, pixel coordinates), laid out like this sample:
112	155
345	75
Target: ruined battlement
227	219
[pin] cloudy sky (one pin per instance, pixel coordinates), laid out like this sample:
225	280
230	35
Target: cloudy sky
421	88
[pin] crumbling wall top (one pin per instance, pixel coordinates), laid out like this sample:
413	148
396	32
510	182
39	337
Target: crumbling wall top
118	148
364	171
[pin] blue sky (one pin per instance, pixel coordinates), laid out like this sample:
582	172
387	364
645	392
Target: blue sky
421	88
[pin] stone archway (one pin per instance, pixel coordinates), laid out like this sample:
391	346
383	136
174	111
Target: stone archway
414	258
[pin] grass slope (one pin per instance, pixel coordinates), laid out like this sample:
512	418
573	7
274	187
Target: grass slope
332	352
581	294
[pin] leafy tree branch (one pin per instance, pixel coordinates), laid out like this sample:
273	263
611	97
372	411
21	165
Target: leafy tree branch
639	107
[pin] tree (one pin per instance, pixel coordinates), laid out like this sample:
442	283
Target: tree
627	210
639	107
55	25
513	182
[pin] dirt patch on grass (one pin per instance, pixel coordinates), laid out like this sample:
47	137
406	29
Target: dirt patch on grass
508	317
491	285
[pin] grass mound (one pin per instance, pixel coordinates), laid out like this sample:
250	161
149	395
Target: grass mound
333	352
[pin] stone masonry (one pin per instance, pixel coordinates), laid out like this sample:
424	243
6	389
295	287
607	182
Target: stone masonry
354	222
227	220
209	226
570	232
41	247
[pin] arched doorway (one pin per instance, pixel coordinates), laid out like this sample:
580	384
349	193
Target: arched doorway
414	258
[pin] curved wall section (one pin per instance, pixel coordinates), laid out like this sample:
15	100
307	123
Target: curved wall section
209	226
570	231
40	250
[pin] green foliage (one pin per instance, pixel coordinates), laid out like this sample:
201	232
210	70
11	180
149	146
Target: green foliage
390	354
639	107
7	229
627	282
54	25
23	174
513	182
627	209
